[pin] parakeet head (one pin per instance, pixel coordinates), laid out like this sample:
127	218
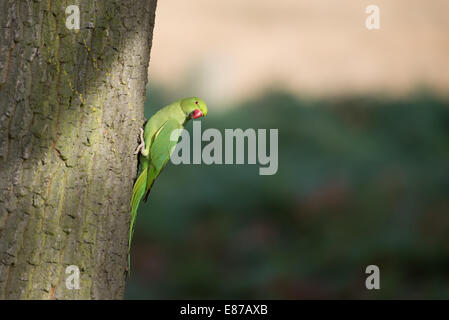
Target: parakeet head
194	107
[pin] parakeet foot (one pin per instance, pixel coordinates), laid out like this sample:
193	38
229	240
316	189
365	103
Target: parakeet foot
142	143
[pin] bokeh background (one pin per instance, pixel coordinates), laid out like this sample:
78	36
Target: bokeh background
363	119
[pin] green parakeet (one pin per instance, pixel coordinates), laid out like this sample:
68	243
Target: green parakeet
158	140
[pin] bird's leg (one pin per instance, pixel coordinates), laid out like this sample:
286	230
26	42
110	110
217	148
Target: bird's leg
142	143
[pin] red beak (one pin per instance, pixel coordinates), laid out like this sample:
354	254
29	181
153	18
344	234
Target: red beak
196	114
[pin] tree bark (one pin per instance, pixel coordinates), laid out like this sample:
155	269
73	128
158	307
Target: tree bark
71	104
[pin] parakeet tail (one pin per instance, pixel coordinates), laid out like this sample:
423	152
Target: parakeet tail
138	193
151	177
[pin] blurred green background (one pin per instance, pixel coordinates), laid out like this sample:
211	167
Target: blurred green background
361	180
363	119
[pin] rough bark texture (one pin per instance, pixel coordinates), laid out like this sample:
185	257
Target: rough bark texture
71	103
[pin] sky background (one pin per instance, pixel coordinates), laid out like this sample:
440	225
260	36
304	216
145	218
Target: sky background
229	50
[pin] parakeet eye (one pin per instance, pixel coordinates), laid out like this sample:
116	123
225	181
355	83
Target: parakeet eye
196	102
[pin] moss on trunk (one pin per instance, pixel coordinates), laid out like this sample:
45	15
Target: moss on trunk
71	103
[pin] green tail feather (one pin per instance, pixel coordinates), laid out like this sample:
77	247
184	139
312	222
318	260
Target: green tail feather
138	192
151	177
141	189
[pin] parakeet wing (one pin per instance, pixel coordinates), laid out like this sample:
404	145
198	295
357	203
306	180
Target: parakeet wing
161	150
164	143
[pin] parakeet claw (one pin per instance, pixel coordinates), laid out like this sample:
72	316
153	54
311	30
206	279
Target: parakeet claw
142	143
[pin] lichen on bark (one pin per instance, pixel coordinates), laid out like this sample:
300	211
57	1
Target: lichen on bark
71	103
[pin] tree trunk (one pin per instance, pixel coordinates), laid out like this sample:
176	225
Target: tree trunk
71	104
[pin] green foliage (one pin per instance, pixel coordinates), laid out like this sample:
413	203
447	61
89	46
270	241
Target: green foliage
361	180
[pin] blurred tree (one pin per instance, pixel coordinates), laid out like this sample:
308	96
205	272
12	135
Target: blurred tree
71	103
